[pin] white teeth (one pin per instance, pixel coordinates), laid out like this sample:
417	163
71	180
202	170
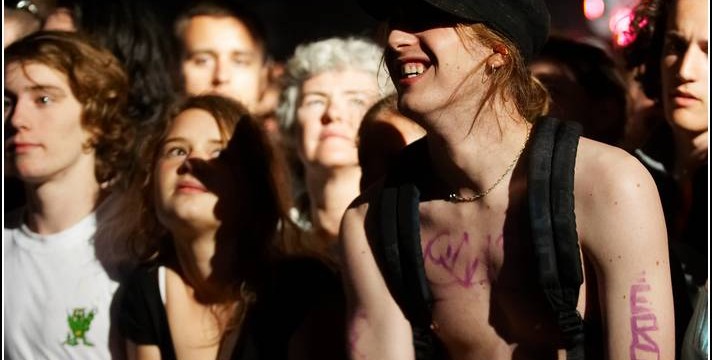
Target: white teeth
412	69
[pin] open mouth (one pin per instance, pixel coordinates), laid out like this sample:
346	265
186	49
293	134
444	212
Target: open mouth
412	69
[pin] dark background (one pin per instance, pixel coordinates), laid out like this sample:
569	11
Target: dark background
290	22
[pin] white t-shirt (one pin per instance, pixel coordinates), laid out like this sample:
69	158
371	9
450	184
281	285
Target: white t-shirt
57	294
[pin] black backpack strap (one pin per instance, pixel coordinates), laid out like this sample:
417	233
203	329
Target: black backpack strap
418	307
402	259
400	253
553	225
389	253
566	238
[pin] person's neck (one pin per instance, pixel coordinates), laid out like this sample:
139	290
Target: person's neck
330	193
197	253
690	152
470	154
58	204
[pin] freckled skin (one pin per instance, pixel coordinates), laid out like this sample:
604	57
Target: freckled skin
507	318
504	310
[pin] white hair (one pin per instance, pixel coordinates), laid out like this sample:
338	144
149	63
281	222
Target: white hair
335	53
309	60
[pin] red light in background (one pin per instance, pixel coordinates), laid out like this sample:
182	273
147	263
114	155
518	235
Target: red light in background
593	9
619	24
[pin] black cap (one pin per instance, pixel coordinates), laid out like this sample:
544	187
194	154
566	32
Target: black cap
524	22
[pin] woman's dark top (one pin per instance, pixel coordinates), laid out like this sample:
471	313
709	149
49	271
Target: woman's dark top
296	289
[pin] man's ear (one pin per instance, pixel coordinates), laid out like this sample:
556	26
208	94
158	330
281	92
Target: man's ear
499	57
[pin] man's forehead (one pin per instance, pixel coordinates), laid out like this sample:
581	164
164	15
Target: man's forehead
218	29
35	75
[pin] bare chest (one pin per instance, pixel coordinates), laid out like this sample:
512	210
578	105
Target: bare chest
480	268
467	250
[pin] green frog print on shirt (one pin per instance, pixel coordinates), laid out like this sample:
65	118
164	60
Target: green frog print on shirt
79	322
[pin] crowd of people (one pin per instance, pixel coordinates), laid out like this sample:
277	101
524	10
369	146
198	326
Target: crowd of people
461	186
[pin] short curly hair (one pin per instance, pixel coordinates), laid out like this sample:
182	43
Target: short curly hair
326	55
647	27
99	83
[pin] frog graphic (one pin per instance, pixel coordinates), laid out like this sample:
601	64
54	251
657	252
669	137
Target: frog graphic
79	322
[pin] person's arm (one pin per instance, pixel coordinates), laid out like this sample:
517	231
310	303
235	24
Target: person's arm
622	232
142	352
376	327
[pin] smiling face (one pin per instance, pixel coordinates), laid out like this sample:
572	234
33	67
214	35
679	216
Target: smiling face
685	66
221	57
432	68
329	112
432	63
45	139
189	180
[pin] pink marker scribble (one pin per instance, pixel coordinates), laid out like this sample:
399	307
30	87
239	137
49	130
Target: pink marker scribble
354	334
642	323
450	260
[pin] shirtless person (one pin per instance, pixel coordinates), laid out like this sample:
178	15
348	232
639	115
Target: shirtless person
460	71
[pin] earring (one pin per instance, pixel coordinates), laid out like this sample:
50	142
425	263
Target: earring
500	49
489	71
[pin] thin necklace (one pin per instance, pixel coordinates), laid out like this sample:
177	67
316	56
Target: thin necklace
453	197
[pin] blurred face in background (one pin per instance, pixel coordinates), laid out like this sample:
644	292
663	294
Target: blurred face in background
60	19
221	57
330	110
569	98
685	66
17	24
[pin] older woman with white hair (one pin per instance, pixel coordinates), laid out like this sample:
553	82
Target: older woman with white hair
330	84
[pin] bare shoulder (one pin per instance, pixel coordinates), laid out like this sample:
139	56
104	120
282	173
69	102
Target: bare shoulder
621	229
606	173
357	212
615	195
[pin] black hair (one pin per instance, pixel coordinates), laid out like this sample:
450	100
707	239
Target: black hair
137	35
598	75
643	53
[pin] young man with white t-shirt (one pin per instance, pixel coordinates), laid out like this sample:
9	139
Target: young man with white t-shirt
67	140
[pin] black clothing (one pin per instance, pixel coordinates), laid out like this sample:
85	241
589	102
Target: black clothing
294	288
142	317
